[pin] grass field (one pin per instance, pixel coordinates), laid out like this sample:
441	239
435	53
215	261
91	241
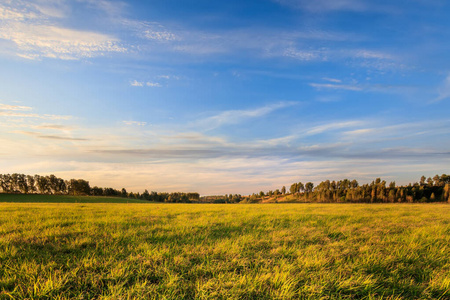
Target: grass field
37	198
206	251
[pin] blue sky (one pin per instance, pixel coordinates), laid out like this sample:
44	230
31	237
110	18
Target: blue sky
224	96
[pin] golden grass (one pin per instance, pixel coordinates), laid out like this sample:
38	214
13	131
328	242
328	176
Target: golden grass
207	251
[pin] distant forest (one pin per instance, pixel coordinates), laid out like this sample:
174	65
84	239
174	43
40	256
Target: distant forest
52	185
436	189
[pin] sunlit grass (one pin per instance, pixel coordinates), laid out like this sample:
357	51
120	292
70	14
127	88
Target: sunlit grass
40	198
205	251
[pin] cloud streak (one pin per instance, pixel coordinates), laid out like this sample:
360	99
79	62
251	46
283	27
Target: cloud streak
148	83
14	107
443	91
130	123
50	137
327	5
239	116
37	116
332	86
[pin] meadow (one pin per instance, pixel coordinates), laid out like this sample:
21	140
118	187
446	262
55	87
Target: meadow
41	198
213	251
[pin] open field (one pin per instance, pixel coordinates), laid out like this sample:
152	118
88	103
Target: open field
207	251
38	198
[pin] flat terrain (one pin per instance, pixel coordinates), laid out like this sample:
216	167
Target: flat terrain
37	198
206	251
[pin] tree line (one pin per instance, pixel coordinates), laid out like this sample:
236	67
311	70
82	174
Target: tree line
436	189
52	185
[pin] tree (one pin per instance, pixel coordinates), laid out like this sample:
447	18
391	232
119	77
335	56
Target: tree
42	184
309	186
53	183
5	183
422	180
283	190
79	187
437	180
22	183
97	191
123	193
30	182
293	188
146	195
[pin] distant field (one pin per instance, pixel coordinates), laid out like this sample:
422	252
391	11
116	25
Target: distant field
34	198
208	251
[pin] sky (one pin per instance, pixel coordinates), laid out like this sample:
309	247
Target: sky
222	97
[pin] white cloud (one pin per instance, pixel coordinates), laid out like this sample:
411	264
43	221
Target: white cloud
113	9
14	107
34	30
333	126
302	55
168	77
16	111
332	80
25	115
148	83
136	83
160	36
131	123
54	127
13	15
336	86
373	54
443	91
52	8
153	84
151	31
37	41
237	116
326	5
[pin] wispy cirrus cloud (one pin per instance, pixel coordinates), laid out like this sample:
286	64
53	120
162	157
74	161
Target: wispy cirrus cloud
137	83
237	116
333	126
148	83
55	127
14	107
35	31
443	90
38	116
50	137
7	110
153	84
131	123
336	86
303	55
334	80
326	5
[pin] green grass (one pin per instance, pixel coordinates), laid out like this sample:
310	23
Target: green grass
207	251
37	198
